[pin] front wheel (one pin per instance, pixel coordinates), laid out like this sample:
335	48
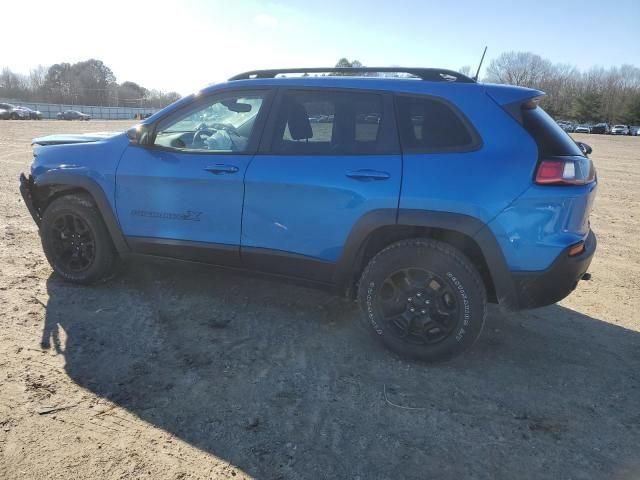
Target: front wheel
423	299
75	240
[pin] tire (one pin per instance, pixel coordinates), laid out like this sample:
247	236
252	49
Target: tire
442	287
14	116
75	240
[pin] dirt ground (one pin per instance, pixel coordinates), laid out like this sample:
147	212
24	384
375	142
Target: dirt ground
181	371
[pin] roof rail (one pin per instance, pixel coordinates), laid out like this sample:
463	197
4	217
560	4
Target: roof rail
430	74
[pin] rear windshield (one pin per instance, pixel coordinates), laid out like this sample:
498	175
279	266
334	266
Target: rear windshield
551	139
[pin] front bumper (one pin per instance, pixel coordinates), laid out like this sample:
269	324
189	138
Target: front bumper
26	190
537	289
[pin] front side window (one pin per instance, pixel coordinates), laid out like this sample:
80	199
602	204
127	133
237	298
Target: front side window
332	123
429	125
222	125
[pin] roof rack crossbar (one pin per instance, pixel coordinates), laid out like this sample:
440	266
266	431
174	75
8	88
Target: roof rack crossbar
430	74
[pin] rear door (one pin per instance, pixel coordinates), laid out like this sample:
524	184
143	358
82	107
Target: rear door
331	157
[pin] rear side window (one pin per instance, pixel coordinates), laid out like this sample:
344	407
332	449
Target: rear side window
550	138
429	125
327	122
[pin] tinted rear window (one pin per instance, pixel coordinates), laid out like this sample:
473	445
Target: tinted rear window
428	124
550	138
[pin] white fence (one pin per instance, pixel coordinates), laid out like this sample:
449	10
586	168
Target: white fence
50	110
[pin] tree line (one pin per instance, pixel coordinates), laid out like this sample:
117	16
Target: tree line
89	82
596	95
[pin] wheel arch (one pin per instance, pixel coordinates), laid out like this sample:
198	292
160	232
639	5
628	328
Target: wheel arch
380	228
55	184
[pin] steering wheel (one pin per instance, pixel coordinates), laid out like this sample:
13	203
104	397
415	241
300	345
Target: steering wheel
225	126
198	141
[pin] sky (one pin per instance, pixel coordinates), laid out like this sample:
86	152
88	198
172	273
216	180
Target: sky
188	44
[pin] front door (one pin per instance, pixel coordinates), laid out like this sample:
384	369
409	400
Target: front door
182	196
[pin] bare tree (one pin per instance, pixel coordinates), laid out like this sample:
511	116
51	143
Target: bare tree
12	83
519	68
596	95
90	83
465	70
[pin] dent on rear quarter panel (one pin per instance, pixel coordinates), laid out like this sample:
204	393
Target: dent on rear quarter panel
542	223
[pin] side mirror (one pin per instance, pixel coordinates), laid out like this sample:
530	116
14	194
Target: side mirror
586	149
138	135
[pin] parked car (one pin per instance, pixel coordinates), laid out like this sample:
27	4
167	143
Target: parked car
635	130
600	128
5	114
33	114
620	130
372	118
566	126
423	223
582	129
73	115
15	113
141	116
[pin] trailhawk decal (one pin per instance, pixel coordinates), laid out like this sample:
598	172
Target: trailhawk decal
188	215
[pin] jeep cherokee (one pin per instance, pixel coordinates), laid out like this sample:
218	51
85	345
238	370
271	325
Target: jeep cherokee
424	196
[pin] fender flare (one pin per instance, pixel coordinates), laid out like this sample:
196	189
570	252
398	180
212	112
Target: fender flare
74	180
457	222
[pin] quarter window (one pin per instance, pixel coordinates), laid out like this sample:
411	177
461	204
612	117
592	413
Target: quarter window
430	125
333	123
222	125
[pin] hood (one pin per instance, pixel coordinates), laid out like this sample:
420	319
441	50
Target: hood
73	138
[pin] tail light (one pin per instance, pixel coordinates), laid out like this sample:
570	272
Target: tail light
565	171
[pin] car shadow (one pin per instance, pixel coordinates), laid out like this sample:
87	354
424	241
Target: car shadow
279	380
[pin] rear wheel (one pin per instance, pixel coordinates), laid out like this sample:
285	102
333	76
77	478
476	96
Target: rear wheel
76	241
423	299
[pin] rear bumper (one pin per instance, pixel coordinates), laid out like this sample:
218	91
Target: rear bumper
26	190
537	289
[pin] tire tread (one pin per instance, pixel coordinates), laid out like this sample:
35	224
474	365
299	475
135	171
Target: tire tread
460	259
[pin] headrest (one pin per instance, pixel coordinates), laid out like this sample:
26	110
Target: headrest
298	122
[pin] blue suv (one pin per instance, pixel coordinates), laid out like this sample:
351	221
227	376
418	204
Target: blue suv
424	196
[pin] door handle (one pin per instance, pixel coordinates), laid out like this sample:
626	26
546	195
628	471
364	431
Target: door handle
221	169
367	175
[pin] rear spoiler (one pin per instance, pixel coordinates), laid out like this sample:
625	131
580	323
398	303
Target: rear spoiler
513	99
